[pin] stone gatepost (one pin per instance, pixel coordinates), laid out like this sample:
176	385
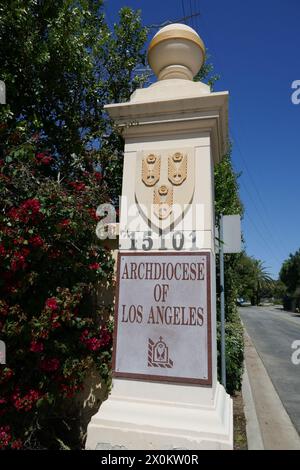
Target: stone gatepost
165	391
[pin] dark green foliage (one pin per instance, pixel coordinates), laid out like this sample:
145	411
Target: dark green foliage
255	282
234	354
227	202
61	65
290	276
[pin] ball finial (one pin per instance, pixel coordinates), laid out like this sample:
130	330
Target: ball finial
176	51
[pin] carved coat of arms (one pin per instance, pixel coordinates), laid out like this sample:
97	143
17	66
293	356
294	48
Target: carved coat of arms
165	183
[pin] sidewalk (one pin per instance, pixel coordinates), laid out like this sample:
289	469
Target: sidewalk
268	424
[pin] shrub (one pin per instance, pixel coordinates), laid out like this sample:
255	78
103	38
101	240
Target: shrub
234	354
51	266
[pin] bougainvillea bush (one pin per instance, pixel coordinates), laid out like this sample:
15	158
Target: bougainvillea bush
60	159
51	264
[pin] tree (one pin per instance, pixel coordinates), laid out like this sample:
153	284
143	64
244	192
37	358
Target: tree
59	159
254	279
290	277
290	272
262	277
65	66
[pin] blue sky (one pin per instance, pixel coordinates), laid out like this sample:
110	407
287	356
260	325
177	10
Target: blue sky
254	47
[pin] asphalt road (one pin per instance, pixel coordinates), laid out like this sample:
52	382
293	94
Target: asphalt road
273	331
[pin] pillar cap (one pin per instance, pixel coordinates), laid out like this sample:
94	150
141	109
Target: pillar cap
176	51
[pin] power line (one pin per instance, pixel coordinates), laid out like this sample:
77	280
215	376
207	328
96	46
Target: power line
191	13
265	220
270	247
197	7
274	255
167	22
277	246
183	9
269	227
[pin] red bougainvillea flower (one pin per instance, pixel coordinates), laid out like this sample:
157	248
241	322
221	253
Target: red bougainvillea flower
5	436
70	390
26	402
28	210
5	374
47	160
39	156
2	250
3	309
93	343
78	186
36	346
98	176
13	213
64	223
18	241
43	158
105	336
36	241
93	214
19	259
17	444
49	365
54	321
94	266
54	254
51	303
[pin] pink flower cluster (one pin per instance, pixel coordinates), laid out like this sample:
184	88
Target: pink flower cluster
70	390
93	213
26	402
6	374
93	343
36	347
5	436
64	223
78	186
6	439
2	250
94	266
52	303
43	158
28	210
19	259
36	241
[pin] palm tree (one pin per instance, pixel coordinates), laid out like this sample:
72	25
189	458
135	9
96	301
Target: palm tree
261	277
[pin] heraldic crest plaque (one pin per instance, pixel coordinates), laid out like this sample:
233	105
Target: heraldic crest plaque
165	185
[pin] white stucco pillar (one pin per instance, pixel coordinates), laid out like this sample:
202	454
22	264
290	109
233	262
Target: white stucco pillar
174	116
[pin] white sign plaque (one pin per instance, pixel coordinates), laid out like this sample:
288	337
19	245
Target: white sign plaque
163	318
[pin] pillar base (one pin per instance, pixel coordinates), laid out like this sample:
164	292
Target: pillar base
130	423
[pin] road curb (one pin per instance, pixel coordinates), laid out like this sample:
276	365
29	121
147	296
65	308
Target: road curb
254	437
